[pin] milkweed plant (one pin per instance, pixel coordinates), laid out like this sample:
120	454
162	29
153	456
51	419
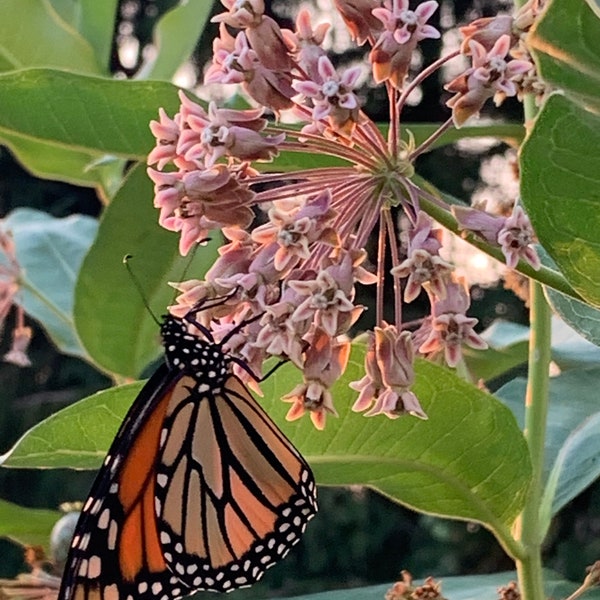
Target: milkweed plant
307	231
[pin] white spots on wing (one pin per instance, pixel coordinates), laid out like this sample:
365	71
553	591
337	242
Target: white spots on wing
83	568
104	519
94	567
112	535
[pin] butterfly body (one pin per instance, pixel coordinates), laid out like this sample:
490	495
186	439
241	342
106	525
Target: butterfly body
200	490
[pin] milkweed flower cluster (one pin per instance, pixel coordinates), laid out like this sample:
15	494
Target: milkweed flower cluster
292	279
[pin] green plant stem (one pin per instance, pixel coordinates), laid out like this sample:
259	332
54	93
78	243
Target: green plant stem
528	530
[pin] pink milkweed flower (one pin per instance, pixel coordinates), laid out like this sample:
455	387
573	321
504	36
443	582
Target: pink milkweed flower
305	44
449	327
389	375
516	239
241	13
332	96
490	75
17	355
424	267
259	282
297	229
279	336
359	18
166	131
196	201
234	61
226	132
325	360
514	234
403	30
486	31
262	32
329	297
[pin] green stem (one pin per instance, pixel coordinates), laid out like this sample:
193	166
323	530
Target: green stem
528	530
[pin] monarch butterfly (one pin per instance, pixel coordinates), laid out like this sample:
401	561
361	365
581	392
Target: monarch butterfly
199	491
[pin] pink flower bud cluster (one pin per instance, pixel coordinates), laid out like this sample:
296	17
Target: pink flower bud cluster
10	274
287	285
501	64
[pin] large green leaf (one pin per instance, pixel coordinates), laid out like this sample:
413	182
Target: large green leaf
94	20
570	350
47	161
115	327
50	252
560	177
581	317
76	437
566	44
175	37
33	34
508	345
560	185
81	113
469	460
572	456
28	526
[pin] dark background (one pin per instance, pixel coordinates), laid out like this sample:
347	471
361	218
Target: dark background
359	536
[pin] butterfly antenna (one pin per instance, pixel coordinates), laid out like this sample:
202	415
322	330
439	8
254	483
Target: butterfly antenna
194	249
139	287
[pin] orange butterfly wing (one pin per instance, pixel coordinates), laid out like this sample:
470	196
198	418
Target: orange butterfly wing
200	489
235	497
115	553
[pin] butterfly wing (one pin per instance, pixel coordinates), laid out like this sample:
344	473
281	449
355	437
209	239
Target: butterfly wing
233	494
115	553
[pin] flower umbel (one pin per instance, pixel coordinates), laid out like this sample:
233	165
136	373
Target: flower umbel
287	288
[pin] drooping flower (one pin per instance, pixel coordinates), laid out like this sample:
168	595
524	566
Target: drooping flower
195	202
403	30
490	74
234	61
263	33
449	327
424	267
359	18
389	375
514	234
324	362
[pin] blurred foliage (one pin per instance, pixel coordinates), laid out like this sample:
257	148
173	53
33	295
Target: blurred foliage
359	537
